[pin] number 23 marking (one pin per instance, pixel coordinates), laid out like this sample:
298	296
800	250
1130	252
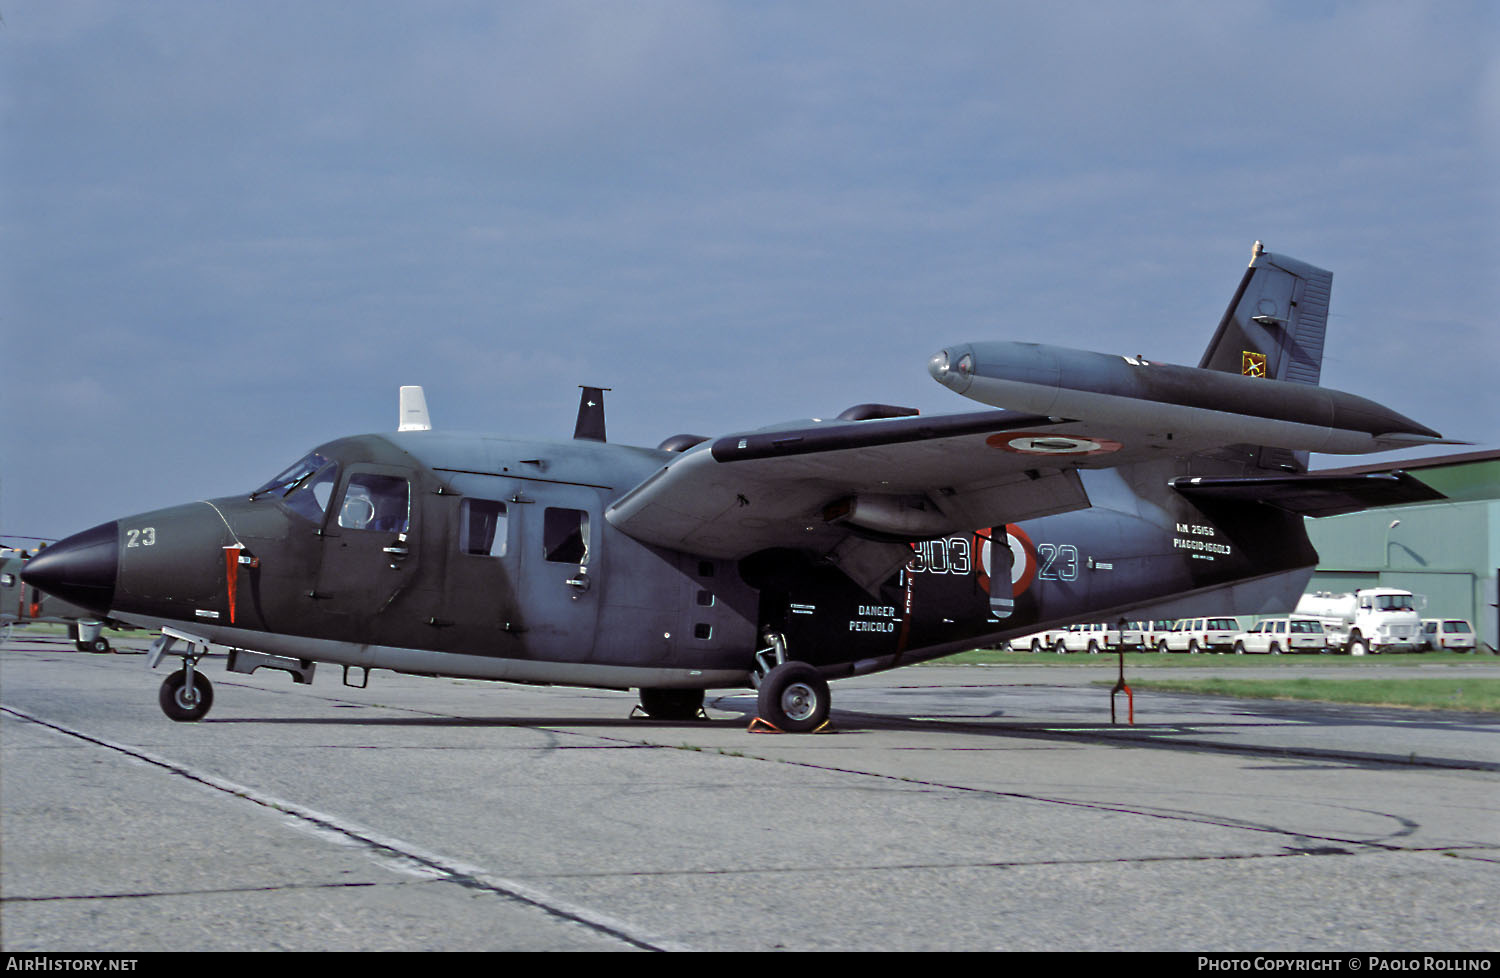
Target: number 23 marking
1059	562
144	537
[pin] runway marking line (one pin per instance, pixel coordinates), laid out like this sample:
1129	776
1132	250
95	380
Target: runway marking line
384	846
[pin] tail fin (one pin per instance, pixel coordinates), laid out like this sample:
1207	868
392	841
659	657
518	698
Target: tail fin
1274	327
590	423
1275	323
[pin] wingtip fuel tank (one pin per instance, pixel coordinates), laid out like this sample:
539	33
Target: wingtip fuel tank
1159	398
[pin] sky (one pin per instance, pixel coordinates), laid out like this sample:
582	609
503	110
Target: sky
231	231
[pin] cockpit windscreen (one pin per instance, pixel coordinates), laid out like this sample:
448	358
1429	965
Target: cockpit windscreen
314	475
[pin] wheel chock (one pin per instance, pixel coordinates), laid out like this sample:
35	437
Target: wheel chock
766	726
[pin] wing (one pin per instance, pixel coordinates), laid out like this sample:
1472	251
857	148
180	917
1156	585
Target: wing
857	491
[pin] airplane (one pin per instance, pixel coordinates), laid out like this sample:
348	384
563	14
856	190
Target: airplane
775	559
20	605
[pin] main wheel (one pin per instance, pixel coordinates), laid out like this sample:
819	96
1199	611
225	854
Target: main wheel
672	704
794	698
183	704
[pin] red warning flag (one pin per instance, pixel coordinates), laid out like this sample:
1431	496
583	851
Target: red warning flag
232	574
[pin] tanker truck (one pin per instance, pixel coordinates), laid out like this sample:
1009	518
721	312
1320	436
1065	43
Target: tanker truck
1374	619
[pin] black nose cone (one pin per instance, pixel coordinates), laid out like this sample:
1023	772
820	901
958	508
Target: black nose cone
80	569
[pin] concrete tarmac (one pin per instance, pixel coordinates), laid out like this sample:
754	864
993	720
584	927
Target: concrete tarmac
948	808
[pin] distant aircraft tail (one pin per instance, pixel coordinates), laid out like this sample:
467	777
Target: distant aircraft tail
1274	327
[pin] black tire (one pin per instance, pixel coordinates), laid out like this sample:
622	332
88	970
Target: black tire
100	644
173	693
1093	648
672	704
1161	647
1239	648
1037	647
1192	646
1275	649
794	698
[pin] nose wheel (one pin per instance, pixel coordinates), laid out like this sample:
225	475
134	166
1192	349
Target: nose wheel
186	695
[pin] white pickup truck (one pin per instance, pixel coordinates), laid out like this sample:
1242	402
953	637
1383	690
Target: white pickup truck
1095	637
1143	635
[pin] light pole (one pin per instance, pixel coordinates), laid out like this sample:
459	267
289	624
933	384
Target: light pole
1394	524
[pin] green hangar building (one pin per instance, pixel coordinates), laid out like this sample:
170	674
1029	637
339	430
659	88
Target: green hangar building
1447	551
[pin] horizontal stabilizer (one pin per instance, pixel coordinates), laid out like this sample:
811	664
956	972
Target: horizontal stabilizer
1313	495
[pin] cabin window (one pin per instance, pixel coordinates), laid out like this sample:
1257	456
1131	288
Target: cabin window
376	502
565	535
482	527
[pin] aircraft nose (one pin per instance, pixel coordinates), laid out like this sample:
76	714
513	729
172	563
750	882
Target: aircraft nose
80	569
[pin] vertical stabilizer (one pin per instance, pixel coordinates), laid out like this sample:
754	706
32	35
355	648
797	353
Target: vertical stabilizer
590	425
1275	323
1274	327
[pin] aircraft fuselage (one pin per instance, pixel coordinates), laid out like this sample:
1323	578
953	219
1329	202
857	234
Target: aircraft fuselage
436	553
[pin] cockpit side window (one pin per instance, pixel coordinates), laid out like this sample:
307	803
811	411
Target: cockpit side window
376	502
310	499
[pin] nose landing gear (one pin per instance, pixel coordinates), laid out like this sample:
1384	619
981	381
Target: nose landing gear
186	695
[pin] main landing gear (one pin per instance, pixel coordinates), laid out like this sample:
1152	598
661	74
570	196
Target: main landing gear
672	704
791	696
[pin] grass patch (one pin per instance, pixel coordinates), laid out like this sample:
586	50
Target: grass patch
1478	695
1182	660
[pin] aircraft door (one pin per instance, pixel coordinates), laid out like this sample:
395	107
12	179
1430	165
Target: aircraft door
562	573
370	554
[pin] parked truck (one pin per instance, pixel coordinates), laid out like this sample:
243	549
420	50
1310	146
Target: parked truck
1373	619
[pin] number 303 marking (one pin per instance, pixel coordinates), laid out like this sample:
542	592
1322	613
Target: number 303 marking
144	537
